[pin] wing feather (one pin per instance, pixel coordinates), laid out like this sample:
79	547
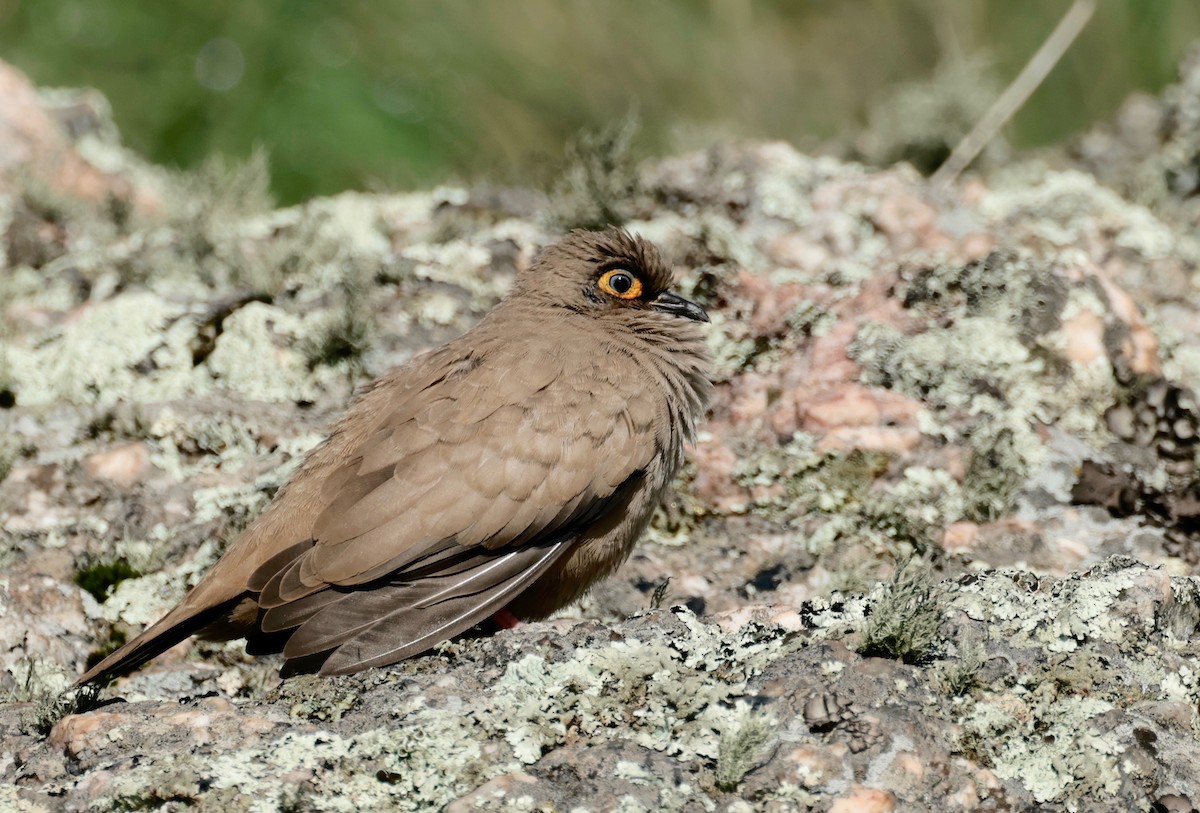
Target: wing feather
449	508
476	590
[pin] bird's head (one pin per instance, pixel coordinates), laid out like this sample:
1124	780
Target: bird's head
610	274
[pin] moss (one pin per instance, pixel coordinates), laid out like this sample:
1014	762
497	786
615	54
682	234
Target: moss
99	578
348	332
904	621
46	688
115	640
741	749
921	122
600	178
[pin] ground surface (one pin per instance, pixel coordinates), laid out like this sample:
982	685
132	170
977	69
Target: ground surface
988	382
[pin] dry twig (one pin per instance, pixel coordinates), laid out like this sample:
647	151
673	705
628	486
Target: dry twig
1015	95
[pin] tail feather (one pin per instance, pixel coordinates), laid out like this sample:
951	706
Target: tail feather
172	628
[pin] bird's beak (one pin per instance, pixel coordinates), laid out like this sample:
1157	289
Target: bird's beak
668	302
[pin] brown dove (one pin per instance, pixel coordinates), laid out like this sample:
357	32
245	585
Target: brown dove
499	475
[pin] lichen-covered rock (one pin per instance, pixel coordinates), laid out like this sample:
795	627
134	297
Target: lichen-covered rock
988	383
1077	694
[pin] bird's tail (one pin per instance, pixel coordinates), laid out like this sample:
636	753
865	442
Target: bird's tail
160	636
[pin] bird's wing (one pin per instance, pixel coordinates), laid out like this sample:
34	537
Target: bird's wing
469	487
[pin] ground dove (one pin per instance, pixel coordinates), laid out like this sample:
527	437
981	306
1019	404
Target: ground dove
497	476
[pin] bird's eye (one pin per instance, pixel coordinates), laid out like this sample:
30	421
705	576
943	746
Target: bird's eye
621	284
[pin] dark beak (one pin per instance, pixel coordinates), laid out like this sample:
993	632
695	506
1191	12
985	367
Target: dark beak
668	302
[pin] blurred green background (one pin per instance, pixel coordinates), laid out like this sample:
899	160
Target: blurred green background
401	93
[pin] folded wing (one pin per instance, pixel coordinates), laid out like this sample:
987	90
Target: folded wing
467	491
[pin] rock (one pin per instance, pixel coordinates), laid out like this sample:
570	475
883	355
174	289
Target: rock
34	146
985	379
864	800
124	466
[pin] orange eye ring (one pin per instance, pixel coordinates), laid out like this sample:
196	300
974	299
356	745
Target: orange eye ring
620	283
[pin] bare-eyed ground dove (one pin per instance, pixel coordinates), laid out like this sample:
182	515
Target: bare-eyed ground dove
501	474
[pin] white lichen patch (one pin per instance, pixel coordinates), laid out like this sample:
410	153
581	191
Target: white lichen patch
1060	207
1039	620
923	498
458	263
11	800
36	288
132	347
138	347
417	766
141	601
256	355
1058	754
675	696
731	344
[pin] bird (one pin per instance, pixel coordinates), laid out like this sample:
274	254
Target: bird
498	476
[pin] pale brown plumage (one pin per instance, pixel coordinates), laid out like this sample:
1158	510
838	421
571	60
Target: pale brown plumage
510	468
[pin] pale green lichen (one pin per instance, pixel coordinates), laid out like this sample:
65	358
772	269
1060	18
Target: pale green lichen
677	695
906	614
838	495
312	697
46	687
920	122
9	451
993	374
141	601
916	507
134	346
810	319
1048	725
138	347
1064	207
1062	752
11	800
785	191
1089	601
600	183
647	692
1049	732
733	346
459	264
254	355
741	747
415	767
960	674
